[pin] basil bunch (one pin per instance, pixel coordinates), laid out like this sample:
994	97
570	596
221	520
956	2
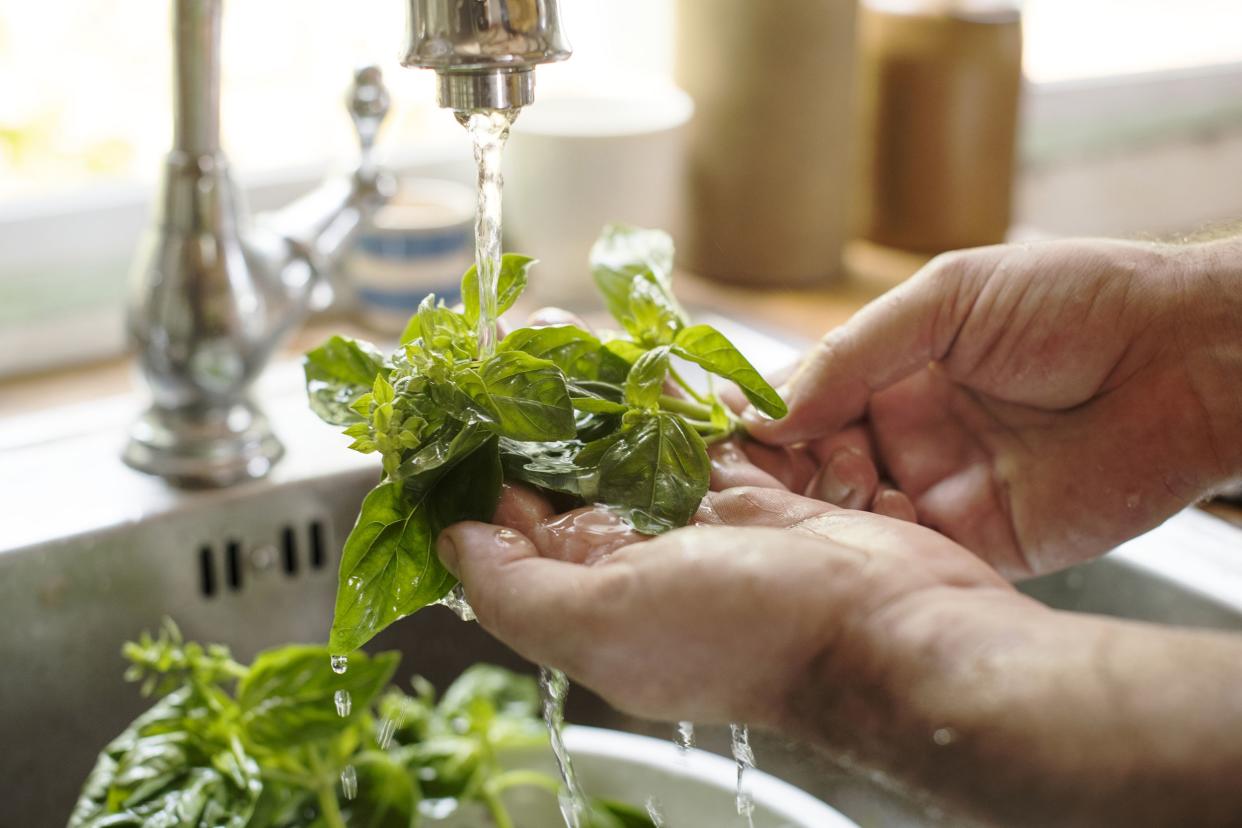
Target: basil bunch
231	746
555	407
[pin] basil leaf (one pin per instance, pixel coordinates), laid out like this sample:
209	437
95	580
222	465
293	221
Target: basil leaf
608	813
510	283
551	466
596	398
164	764
522	397
655	472
707	347
388	567
287	697
646	380
622	253
448	445
387	794
625	350
507	692
469	491
577	353
337	373
445	331
654	317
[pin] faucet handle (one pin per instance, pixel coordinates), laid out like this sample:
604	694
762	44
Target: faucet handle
368	104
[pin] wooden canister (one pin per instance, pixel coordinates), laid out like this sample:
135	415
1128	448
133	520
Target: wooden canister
768	167
938	109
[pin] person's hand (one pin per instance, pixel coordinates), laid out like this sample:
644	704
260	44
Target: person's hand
1037	403
717	622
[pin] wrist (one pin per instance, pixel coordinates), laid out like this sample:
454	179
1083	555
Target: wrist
1211	319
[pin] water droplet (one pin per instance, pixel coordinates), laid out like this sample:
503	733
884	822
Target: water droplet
387	729
1133	500
744	757
349	782
685	735
944	736
339	664
344	703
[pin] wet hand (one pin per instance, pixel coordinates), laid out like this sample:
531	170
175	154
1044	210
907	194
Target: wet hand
1038	404
715	622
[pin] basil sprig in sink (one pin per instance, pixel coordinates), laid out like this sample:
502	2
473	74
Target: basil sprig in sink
560	408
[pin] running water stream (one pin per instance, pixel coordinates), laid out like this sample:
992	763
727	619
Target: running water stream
745	759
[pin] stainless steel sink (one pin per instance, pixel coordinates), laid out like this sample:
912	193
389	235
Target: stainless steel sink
92	553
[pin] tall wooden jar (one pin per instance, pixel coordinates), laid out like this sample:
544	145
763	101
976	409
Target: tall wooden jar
768	172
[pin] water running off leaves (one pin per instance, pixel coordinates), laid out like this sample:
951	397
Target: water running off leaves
745	759
555	686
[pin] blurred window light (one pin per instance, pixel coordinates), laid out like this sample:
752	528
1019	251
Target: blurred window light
87	81
1077	39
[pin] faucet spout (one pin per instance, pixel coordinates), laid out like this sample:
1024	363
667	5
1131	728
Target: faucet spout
485	51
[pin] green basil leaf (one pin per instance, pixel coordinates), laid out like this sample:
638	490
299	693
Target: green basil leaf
579	354
388	567
609	813
287	697
337	373
622	253
448	445
510	282
507	692
163	764
469	491
387	794
655	473
654	317
522	397
549	466
445	331
646	380
596	398
625	350
707	347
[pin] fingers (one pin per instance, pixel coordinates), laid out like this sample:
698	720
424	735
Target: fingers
887	340
545	317
731	467
892	503
518	596
753	506
584	536
848	476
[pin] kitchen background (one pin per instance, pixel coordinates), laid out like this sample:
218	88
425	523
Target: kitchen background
1131	124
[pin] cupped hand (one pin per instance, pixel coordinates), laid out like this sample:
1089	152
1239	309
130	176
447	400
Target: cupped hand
715	622
1036	403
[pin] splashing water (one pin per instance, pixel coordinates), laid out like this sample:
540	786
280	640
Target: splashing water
340	664
349	782
555	686
685	736
745	759
344	703
654	813
456	601
489	129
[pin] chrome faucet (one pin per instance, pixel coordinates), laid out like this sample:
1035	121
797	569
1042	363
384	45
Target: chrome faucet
485	51
213	295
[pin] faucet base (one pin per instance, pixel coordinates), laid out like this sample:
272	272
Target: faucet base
203	448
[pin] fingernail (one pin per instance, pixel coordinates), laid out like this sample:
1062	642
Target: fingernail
831	487
447	550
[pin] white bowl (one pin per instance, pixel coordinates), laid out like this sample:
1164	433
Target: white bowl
693	789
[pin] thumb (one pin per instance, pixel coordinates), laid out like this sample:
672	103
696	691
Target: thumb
889	339
518	596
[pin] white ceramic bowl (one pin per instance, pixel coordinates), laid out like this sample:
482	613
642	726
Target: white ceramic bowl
693	789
